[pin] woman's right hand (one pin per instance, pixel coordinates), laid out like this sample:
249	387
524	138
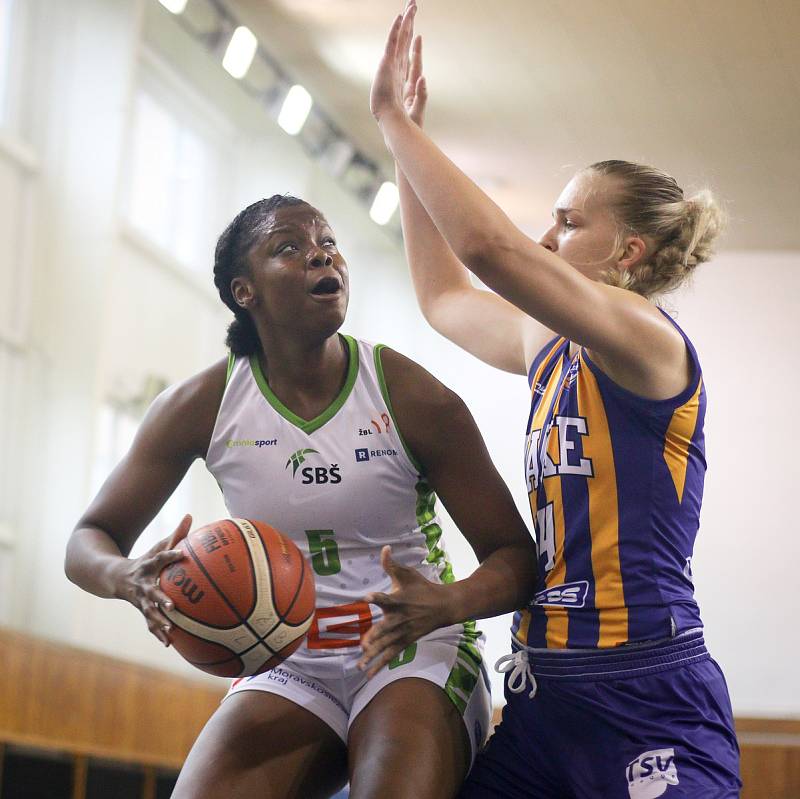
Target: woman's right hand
415	88
137	581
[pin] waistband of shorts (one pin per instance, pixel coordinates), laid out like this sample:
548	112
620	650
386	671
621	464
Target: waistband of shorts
630	660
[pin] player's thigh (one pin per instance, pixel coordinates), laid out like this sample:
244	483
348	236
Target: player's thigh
259	744
410	740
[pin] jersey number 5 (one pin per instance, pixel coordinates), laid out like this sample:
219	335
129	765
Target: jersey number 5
324	552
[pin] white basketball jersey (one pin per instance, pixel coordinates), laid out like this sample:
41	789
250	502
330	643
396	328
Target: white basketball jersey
341	485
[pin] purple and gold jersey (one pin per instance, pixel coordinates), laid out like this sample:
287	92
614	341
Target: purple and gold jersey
615	483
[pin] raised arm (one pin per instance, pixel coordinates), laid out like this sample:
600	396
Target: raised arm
441	433
175	431
629	335
479	321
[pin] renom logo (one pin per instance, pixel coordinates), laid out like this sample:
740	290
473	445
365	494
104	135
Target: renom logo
651	773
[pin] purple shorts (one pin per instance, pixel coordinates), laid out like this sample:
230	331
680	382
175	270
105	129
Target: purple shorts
637	723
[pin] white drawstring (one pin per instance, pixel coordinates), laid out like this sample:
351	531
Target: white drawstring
517	664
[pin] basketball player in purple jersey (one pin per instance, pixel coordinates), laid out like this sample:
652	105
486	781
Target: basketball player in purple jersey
611	692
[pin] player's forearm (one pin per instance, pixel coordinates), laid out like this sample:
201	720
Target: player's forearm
505	581
434	268
466	217
93	561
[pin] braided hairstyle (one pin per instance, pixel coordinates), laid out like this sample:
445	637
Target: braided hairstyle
231	260
683	230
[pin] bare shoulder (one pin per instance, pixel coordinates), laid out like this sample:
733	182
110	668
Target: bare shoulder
185	413
651	358
432	419
413	389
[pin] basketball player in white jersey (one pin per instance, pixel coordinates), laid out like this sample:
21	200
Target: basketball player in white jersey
340	445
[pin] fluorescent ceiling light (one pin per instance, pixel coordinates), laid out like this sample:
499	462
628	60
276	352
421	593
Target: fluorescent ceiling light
295	109
384	204
240	52
175	6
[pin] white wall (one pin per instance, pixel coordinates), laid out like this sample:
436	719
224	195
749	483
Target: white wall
742	315
108	310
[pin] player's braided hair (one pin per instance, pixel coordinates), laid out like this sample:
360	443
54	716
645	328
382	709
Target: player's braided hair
230	261
651	203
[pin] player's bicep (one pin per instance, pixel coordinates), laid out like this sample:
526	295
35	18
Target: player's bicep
443	437
460	470
486	325
142	481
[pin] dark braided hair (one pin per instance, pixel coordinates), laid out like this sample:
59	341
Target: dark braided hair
230	261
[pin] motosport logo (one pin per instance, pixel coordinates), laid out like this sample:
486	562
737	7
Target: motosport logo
651	773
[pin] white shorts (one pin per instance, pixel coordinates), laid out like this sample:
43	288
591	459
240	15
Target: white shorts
329	684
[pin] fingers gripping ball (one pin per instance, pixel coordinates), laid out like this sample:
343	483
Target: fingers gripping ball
243	595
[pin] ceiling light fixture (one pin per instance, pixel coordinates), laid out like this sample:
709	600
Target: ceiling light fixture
295	110
385	203
175	6
240	52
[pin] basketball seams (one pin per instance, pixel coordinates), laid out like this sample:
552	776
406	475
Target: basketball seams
241	643
202	630
261	568
225	599
253	570
281	618
259	556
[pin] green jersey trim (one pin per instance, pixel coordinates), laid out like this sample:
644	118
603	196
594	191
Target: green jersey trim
376	354
431	530
310	425
466	670
231	364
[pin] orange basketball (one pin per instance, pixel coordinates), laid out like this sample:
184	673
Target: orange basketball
244	598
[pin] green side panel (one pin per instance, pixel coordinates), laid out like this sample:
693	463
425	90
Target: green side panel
310	425
229	372
462	680
376	354
426	512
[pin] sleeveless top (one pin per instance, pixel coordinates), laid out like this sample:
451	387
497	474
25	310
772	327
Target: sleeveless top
615	485
340	486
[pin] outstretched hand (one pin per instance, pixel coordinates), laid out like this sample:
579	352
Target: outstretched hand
387	94
415	89
139	582
414	607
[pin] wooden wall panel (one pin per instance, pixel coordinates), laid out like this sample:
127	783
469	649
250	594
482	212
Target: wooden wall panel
57	696
770	757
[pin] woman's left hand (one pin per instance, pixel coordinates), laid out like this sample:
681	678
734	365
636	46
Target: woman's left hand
386	95
414	608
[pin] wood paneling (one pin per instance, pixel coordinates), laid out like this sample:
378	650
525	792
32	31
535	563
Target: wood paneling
58	697
55	696
770	757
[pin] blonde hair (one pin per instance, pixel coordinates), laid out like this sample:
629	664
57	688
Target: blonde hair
683	230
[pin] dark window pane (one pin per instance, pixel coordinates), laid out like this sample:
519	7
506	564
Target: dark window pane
165	784
105	780
27	776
